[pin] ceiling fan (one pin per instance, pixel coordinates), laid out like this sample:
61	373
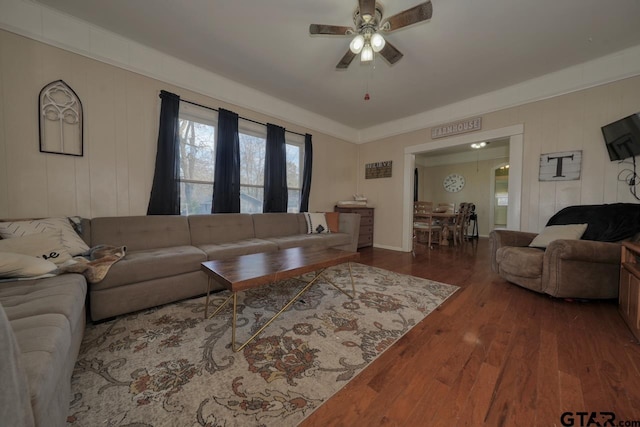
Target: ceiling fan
368	26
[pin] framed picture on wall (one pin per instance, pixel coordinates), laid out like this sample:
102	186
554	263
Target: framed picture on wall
60	121
563	166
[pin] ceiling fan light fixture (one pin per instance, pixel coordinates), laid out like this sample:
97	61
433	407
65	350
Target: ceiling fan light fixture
377	42
357	44
367	53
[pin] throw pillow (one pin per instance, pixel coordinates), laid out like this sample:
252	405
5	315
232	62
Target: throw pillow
333	221
316	223
14	265
70	239
555	232
47	246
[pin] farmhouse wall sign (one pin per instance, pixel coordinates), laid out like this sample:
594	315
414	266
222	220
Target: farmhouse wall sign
455	128
378	170
60	112
564	166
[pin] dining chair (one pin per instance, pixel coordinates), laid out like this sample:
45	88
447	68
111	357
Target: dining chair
446	207
423	224
461	224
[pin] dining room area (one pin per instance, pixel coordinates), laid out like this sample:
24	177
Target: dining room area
442	224
447	180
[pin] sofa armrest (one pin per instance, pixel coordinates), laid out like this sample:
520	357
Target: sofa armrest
581	267
501	238
15	400
584	250
350	224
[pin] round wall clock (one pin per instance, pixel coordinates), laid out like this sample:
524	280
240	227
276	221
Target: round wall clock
453	183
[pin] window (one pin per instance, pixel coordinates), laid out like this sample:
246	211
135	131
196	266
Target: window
197	160
295	162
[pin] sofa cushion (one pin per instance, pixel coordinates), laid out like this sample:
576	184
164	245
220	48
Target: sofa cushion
242	247
557	232
47	317
47	245
70	239
333	221
15	399
141	232
220	228
143	265
306	240
63	295
316	223
14	265
45	342
278	224
520	261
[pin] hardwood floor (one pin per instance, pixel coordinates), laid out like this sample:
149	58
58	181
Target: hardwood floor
493	354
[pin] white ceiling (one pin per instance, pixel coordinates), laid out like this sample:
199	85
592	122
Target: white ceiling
468	48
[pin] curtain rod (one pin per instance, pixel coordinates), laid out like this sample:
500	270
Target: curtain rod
243	118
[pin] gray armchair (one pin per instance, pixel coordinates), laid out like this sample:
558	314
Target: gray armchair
565	269
585	268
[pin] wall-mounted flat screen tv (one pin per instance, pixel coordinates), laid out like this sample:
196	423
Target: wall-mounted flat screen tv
622	137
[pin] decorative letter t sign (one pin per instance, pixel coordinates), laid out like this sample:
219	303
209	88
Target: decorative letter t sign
563	166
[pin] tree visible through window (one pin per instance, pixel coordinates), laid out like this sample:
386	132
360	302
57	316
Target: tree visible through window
197	160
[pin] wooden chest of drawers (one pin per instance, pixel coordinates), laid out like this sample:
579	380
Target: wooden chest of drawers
366	223
629	298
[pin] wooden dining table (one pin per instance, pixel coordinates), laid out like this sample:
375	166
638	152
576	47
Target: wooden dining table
446	220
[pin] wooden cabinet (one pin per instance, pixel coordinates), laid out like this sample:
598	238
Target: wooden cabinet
629	296
366	223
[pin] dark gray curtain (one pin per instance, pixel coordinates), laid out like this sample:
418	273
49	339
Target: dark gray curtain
306	174
165	191
275	171
226	181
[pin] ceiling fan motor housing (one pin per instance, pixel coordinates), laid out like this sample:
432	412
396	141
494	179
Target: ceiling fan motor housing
373	22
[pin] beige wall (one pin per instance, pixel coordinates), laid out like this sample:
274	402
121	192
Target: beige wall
477	187
121	118
567	122
121	114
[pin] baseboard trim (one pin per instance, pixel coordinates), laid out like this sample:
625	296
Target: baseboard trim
391	248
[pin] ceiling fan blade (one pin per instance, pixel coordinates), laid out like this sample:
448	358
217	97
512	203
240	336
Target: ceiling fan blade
346	59
418	13
335	30
367	7
390	53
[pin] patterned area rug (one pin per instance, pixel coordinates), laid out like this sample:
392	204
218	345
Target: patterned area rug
168	366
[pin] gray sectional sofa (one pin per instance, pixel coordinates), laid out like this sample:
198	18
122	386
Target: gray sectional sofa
42	321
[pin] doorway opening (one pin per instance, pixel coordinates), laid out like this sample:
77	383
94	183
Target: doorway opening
514	135
499	200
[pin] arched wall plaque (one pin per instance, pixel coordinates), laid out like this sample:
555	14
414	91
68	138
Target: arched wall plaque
61	122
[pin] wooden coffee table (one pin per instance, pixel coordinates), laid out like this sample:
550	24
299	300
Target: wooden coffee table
250	271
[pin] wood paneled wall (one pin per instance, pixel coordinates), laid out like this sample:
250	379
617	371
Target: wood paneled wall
563	123
121	110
